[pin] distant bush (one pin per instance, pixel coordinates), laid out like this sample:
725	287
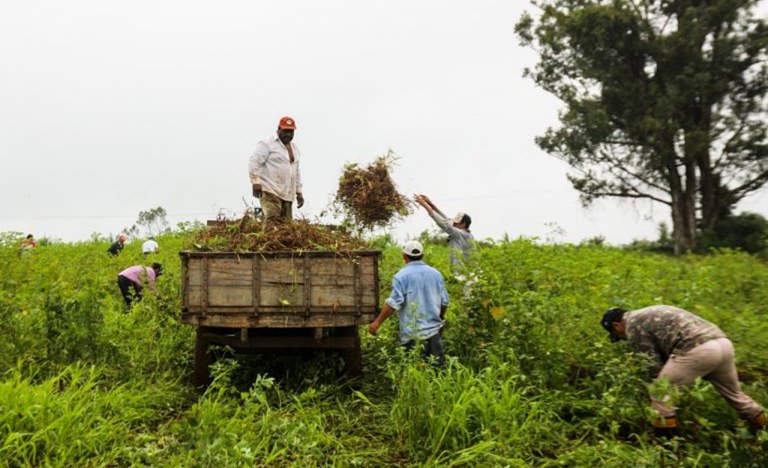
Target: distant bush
745	231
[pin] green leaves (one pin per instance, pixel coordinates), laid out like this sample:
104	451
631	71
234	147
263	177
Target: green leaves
532	379
663	101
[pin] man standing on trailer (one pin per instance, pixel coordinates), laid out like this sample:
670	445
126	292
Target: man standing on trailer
420	299
683	347
275	175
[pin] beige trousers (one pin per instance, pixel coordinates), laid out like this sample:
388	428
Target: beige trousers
276	210
713	361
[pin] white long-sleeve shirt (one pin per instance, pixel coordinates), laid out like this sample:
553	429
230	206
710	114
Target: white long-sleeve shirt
270	166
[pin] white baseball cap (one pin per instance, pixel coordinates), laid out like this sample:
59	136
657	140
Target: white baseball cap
413	248
459	218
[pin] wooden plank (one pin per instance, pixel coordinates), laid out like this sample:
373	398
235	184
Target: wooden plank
256	284
358	288
375	286
286	254
194	298
330	280
195	269
230	272
204	284
290	282
283	342
281	310
277	321
335	265
341	297
287	300
281	295
232	296
307	286
283	271
184	283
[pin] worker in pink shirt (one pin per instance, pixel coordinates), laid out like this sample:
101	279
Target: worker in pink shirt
136	277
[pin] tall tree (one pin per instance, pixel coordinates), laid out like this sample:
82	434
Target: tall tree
153	221
665	100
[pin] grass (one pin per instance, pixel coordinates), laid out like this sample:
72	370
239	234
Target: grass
532	379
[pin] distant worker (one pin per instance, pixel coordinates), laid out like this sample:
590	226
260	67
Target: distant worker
420	298
28	243
275	175
683	347
459	237
150	246
117	246
135	278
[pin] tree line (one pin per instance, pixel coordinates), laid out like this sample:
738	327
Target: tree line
664	100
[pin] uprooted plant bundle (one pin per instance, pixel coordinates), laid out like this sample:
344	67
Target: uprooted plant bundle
251	235
368	197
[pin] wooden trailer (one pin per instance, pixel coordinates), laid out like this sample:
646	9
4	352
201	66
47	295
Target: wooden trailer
262	301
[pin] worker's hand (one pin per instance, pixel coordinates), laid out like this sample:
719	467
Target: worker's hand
373	328
420	200
257	190
299	200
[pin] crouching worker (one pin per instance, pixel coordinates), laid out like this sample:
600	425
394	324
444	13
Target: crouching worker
136	277
420	299
683	346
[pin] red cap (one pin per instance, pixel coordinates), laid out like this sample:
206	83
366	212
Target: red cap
287	122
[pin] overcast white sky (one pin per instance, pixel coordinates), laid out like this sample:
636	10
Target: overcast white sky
108	109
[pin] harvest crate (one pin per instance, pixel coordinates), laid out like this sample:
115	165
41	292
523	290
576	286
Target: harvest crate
244	300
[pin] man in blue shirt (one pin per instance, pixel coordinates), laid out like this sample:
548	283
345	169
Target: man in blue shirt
420	299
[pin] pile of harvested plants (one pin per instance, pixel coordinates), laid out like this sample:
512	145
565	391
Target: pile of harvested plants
368	198
251	235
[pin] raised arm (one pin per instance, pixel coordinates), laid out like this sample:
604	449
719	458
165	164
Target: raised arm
428	204
438	216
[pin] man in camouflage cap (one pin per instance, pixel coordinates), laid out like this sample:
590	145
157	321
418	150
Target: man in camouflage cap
683	346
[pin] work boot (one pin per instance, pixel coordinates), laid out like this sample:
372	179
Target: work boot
665	427
757	423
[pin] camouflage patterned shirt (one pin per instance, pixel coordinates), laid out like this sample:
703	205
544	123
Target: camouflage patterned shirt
663	330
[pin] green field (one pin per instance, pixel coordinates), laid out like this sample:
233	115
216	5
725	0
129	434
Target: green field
532	379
